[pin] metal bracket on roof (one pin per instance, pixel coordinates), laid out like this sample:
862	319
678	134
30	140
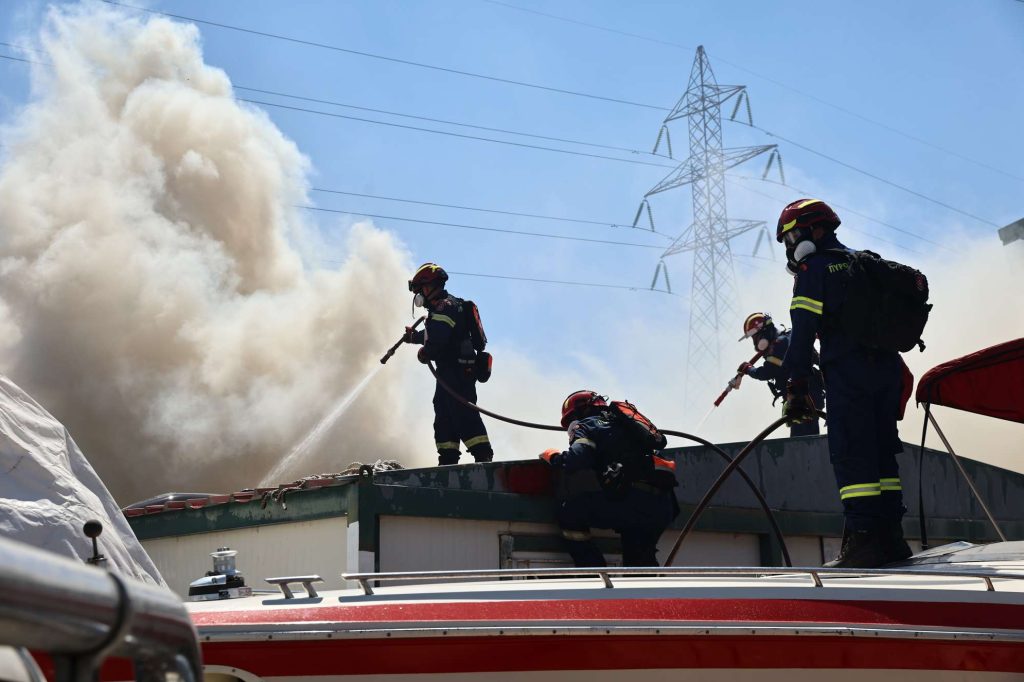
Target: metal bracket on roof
307	581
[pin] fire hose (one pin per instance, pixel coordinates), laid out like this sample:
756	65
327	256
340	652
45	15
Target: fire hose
733	465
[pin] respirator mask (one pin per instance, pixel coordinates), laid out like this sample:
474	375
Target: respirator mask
419	300
797	250
762	344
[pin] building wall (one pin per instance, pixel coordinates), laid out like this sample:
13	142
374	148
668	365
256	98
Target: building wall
433	544
301	548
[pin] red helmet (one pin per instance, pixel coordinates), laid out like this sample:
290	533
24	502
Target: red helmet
428	273
803	215
579	404
755	323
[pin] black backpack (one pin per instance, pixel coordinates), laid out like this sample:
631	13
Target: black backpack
885	305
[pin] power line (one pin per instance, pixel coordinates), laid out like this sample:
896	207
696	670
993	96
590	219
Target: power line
539	280
558	281
802	93
485	210
832	203
451	134
660	234
444	121
529	146
521	233
633	161
871	175
18	59
381	57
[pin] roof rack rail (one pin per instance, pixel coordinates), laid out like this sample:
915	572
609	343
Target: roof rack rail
605	574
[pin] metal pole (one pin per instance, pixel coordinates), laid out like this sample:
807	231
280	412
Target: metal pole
963	472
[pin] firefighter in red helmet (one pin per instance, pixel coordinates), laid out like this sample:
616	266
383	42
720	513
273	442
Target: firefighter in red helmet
625	484
454	339
863	387
773	344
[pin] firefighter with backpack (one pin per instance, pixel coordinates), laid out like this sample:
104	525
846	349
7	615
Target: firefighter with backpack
864	311
626	485
453	338
772	344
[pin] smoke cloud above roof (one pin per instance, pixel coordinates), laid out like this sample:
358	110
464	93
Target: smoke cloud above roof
153	291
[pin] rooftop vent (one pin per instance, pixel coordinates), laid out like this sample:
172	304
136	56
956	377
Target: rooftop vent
223	582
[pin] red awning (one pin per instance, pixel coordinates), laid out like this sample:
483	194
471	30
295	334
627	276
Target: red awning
989	382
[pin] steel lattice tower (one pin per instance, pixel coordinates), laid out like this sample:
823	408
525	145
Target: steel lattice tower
713	289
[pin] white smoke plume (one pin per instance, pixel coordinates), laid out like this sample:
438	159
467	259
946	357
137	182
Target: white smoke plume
152	293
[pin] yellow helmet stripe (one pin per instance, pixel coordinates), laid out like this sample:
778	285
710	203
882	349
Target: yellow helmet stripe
786	227
809	202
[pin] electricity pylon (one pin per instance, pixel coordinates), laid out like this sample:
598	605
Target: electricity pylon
713	289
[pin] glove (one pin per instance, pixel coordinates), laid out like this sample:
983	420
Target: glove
798	408
421	355
734	383
744	368
407	337
552	456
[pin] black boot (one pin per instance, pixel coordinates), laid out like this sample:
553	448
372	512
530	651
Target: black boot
896	548
861	549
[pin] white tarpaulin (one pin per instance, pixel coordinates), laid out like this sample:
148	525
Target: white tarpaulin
48	490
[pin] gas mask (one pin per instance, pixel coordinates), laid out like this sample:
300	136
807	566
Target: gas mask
796	253
419	300
762	344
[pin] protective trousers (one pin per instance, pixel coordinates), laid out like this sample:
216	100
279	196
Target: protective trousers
862	390
454	422
639	516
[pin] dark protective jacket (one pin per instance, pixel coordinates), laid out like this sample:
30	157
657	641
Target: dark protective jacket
602	440
775	374
818	291
446	336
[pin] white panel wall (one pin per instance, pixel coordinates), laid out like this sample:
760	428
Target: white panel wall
712	549
409	543
805	550
433	544
303	548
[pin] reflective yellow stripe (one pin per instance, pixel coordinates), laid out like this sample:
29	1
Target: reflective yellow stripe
585	441
873	493
809	202
860	490
788	226
808	304
577	535
477	440
443	318
774	360
890	484
448	445
859	486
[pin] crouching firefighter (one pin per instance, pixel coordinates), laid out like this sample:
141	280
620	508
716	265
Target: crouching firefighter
773	343
631	491
864	311
454	339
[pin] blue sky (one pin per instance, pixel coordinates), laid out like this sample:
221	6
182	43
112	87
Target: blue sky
943	71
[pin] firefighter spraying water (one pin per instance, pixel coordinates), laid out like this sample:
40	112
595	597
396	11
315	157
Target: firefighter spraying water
454	338
771	343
